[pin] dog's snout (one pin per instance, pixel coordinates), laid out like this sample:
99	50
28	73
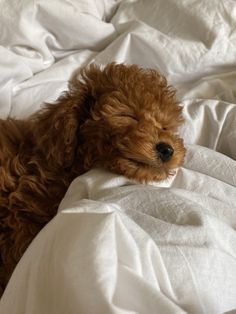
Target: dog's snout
165	151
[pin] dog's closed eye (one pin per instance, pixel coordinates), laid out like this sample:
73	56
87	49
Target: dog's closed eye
130	116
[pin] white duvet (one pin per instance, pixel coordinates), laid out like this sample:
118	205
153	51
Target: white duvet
116	246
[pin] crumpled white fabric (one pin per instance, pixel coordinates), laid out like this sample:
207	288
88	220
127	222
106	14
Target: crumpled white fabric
116	246
119	247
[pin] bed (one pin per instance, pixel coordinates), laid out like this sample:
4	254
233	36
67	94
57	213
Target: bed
116	246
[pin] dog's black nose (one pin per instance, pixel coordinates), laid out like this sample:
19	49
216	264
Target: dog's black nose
165	151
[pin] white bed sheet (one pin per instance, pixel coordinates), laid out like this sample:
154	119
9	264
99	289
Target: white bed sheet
115	246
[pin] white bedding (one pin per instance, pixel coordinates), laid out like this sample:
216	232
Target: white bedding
116	246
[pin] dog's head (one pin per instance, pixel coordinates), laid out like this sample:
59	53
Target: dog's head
130	122
122	118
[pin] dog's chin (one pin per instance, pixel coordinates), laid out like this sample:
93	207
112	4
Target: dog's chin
142	171
151	171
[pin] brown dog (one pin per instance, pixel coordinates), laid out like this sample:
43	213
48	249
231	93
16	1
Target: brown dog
122	118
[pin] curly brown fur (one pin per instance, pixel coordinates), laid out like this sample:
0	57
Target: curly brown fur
112	117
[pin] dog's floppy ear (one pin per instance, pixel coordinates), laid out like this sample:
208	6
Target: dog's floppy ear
56	127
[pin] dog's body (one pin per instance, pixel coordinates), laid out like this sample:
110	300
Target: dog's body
122	118
30	192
